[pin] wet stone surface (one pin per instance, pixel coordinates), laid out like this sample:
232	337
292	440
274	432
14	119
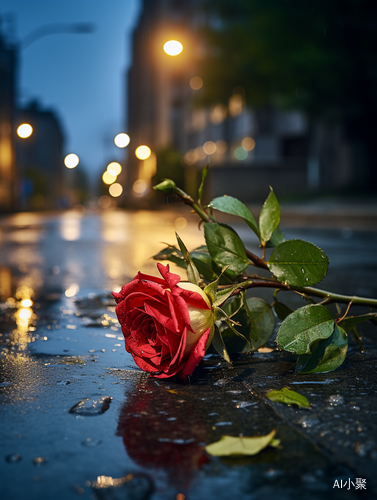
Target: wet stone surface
79	419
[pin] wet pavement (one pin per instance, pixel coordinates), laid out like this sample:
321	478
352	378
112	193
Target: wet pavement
79	419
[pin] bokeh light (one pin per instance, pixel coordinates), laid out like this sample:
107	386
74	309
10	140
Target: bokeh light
240	153
196	83
173	47
143	152
209	147
115	190
122	140
248	143
114	168
140	186
190	157
71	161
24	131
180	223
108	177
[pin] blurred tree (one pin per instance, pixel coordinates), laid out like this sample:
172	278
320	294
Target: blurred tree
169	166
319	57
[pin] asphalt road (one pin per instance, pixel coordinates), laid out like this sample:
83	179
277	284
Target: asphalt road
78	418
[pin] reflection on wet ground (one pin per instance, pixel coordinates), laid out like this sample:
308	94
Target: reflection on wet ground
79	418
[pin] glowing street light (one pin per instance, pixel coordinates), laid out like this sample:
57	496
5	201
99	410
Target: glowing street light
24	130
115	190
114	168
173	47
108	177
122	140
143	152
71	161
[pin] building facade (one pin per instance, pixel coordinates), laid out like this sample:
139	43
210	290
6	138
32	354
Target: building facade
247	149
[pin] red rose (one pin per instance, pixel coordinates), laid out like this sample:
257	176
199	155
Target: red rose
165	323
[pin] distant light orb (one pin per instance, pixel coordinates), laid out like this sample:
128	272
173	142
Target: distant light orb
209	147
196	83
26	303
122	140
71	160
24	130
173	47
108	177
143	152
248	143
115	190
140	186
114	168
240	153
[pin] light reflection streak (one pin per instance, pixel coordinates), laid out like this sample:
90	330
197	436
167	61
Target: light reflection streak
70	228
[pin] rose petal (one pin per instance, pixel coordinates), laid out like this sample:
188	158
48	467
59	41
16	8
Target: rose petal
197	354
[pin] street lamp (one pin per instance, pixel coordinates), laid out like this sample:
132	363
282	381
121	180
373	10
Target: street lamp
143	152
173	47
24	130
71	161
122	140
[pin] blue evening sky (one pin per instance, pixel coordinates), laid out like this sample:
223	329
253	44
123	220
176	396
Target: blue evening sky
80	76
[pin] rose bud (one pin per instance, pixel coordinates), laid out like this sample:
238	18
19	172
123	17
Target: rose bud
165	323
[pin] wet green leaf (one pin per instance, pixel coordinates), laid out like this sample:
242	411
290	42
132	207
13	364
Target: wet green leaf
282	310
263	320
351	321
192	272
232	206
303	327
328	354
298	263
235	446
269	217
219	345
277	237
172	254
288	397
226	248
223	294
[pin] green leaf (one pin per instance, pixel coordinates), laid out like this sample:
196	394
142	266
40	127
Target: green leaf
219	345
253	332
171	254
166	186
232	206
226	248
223	294
244	445
288	397
303	327
281	309
192	272
298	263
263	320
328	354
204	264
201	187
277	237
269	217
351	321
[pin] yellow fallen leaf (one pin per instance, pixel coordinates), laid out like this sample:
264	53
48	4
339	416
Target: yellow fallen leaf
233	446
